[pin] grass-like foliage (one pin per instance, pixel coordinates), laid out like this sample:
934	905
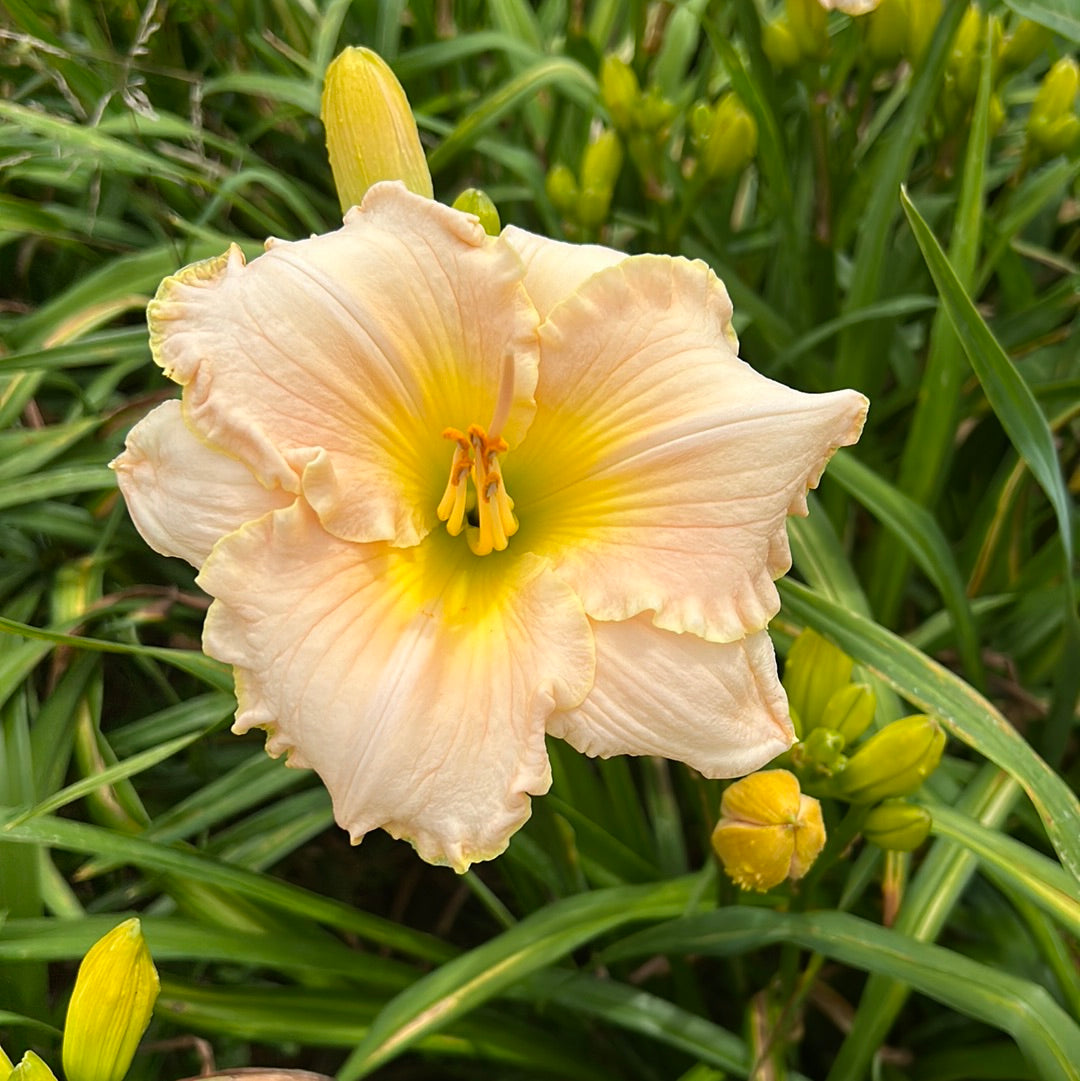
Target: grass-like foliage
893	207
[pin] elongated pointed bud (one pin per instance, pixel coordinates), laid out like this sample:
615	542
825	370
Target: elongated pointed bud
768	830
725	135
619	91
31	1068
5	1066
475	201
897	826
923	17
779	43
850	711
815	670
370	131
1023	45
894	762
110	1007
807	21
887	31
1053	126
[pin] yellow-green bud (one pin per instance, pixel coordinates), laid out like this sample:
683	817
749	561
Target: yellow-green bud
897	825
1053	126
619	91
110	1007
808	22
923	17
963	66
814	672
5	1066
562	189
894	762
31	1068
371	134
850	711
887	31
768	830
1027	41
729	141
602	162
779	44
654	111
475	201
820	754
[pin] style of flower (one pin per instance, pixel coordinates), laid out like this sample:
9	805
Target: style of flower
452	493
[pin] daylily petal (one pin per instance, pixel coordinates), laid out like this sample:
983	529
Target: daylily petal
182	494
416	682
335	363
718	707
554	269
659	469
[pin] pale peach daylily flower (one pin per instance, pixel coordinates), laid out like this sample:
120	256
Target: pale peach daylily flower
451	493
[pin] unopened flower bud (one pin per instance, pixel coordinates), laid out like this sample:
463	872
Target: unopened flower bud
5	1066
820	755
562	189
923	17
475	201
602	162
768	830
779	44
894	762
1027	41
964	62
1053	125
619	91
887	31
31	1068
897	826
654	111
815	670
850	711
727	136
371	134
110	1007
808	22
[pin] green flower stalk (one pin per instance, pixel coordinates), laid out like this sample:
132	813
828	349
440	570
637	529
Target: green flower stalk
894	762
110	1007
371	134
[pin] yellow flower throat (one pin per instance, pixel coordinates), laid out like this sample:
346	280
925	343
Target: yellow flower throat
476	459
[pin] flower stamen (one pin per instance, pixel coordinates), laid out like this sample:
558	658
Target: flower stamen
476	458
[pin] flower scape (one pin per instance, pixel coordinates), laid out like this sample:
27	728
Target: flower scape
454	493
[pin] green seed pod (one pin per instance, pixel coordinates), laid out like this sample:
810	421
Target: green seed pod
894	762
475	201
619	91
850	711
897	826
814	672
114	997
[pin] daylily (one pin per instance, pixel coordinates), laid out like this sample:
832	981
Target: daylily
451	493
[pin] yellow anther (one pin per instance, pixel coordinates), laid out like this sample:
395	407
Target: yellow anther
476	456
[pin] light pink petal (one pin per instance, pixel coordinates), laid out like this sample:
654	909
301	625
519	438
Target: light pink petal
659	469
335	363
416	682
718	707
554	269
183	495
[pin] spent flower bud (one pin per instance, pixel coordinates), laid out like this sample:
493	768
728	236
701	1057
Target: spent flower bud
897	826
894	762
110	1007
371	134
768	830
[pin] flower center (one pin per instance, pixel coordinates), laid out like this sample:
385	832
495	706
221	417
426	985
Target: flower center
489	521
